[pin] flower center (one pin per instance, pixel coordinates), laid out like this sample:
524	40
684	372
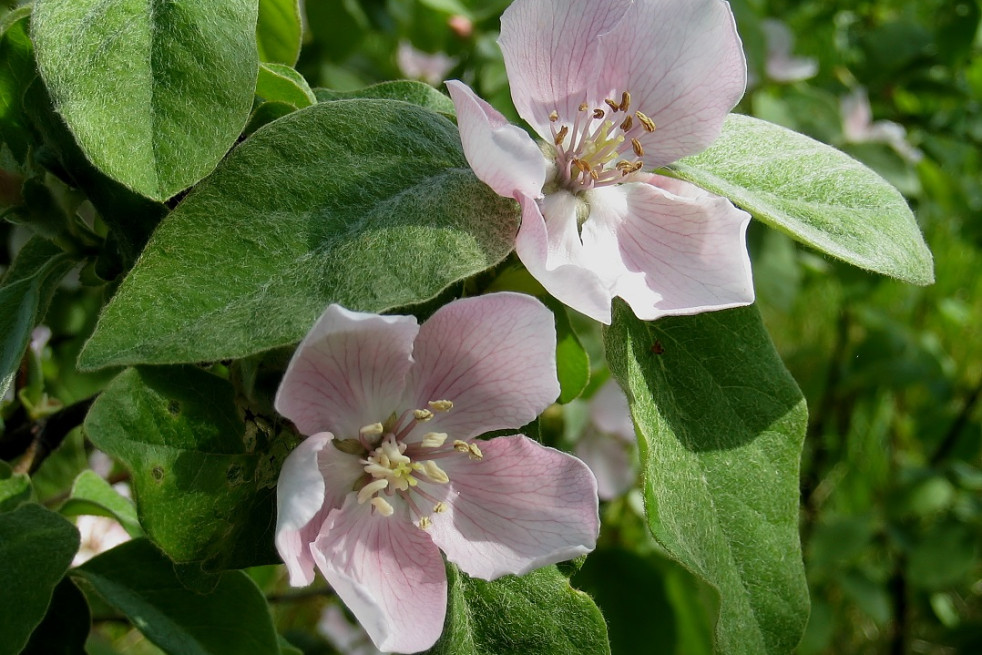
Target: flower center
599	147
395	468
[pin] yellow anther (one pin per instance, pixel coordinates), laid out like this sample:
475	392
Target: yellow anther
373	430
382	506
584	106
627	124
598	113
435	473
371	489
461	446
638	150
561	134
595	175
646	123
475	452
625	101
554	116
582	165
440	508
440	405
433	439
613	104
425	522
422	414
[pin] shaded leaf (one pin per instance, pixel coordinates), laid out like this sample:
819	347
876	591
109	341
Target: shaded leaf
36	548
720	425
203	493
66	625
365	203
536	613
140	582
155	93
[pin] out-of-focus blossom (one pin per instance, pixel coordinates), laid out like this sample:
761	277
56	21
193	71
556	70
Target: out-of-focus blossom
858	126
419	65
392	473
608	443
461	26
39	339
781	65
616	88
346	637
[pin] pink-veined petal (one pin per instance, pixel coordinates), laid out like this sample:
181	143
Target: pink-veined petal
300	495
388	572
683	64
609	459
493	357
551	55
348	372
520	507
552	255
502	155
683	249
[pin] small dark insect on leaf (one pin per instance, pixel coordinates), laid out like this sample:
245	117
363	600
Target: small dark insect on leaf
657	348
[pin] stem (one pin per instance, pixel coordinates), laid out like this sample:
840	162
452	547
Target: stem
951	437
48	433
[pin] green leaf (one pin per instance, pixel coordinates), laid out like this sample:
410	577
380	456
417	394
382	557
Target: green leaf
36	548
15	488
572	361
411	91
154	92
66	625
204	494
816	194
365	203
92	495
280	83
278	31
24	298
140	582
720	426
536	613
16	72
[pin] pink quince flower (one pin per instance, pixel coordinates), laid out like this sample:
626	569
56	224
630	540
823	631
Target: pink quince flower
608	444
615	88
392	473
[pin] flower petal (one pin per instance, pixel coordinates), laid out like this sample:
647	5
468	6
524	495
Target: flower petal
552	54
551	250
348	372
683	64
388	572
683	249
503	156
610	460
300	494
493	356
609	411
521	507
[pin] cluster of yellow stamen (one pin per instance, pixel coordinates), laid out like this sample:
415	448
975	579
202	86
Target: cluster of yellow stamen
393	467
586	150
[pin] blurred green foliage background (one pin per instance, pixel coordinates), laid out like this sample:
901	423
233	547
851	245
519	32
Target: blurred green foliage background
891	483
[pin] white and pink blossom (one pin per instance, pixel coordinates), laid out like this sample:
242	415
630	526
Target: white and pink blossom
608	444
392	471
616	88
